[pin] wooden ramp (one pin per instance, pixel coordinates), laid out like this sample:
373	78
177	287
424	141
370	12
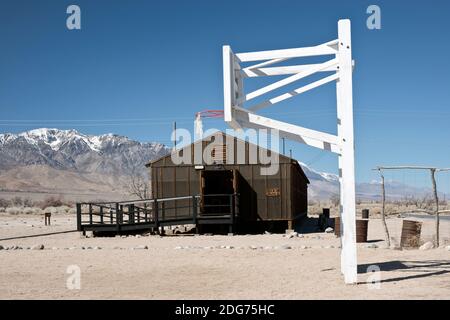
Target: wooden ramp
151	214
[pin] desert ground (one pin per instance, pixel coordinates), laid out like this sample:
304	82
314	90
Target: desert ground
266	266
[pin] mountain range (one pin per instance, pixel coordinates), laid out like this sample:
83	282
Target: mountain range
80	166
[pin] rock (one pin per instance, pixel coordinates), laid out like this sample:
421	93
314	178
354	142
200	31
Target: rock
141	247
304	247
447	248
97	248
138	236
38	247
268	248
371	246
327	247
229	247
2	247
427	246
123	236
178	248
285	247
267	232
253	247
54	248
329	230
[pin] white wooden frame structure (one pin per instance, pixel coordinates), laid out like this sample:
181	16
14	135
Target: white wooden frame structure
340	66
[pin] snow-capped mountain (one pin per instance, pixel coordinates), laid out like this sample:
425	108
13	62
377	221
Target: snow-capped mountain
67	161
322	185
72	150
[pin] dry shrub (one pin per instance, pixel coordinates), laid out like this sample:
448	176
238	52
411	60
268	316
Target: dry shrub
4	203
51	202
13	210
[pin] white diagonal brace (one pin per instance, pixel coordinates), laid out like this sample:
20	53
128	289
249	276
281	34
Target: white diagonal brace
321	140
263	64
290	79
295	92
323	49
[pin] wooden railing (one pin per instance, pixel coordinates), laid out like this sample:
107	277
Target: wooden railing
153	213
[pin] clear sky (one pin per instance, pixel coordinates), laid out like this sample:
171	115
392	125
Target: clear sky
136	66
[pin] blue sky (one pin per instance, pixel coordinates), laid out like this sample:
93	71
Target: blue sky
136	66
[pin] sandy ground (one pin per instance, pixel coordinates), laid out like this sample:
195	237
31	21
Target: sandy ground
213	267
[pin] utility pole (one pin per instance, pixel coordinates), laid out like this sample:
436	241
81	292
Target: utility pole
174	134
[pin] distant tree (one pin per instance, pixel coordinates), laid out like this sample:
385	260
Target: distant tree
51	202
138	184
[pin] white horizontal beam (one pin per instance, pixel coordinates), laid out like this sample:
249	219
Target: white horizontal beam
317	139
290	79
295	92
255	71
323	49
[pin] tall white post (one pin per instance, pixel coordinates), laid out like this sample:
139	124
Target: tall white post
346	158
238	116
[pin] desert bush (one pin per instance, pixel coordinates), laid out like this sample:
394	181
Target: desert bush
4	203
64	209
51	202
52	210
17	201
13	210
27	202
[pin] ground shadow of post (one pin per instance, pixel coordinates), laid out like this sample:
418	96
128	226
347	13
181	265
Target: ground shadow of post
422	269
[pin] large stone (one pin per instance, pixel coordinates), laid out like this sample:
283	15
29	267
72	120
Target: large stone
141	247
285	247
1	247
329	230
427	246
38	247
